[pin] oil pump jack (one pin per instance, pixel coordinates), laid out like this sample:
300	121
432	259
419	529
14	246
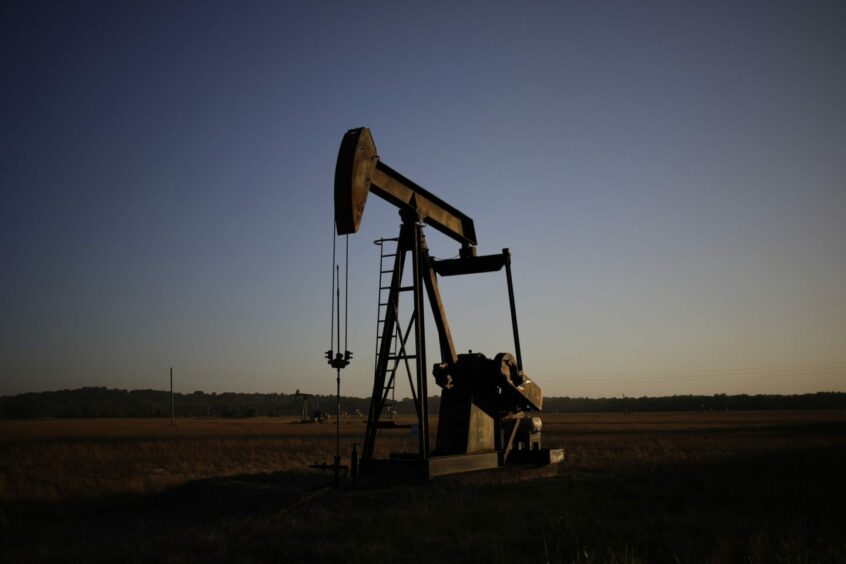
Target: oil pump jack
486	419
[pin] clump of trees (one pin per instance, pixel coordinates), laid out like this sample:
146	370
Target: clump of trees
716	402
105	402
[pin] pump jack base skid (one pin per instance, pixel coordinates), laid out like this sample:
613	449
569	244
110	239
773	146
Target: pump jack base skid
480	468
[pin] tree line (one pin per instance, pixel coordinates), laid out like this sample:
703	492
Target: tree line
106	402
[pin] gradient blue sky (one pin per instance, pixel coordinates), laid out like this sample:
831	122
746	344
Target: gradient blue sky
670	177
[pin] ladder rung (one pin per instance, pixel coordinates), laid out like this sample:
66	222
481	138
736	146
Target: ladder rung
400	289
390	255
400	357
385	271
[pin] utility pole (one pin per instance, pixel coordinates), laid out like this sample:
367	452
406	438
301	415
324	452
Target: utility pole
171	395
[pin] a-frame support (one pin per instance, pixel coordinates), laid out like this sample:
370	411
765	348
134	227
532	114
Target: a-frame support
411	241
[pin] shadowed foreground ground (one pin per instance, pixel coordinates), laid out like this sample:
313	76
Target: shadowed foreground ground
651	488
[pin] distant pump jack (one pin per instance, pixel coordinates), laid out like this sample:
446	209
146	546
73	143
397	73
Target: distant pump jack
485	421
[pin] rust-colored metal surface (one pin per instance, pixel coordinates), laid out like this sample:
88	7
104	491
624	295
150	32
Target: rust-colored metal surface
357	160
359	171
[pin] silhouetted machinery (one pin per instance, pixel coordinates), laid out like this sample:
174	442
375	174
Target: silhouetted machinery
486	412
311	412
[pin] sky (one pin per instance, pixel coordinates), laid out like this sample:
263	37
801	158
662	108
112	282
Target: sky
670	178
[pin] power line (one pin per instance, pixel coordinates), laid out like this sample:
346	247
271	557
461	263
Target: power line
716	374
239	376
841	364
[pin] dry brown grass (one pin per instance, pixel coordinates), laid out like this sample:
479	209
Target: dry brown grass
65	459
688	487
613	440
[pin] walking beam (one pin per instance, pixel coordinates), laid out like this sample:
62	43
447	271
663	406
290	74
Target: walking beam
359	171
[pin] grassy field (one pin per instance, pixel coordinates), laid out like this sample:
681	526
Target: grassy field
679	487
